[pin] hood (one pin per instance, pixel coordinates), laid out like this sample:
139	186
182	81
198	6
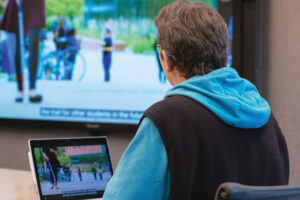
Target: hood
233	99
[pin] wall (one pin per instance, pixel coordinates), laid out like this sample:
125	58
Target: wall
280	71
14	148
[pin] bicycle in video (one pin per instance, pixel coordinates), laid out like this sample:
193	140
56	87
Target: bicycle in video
62	63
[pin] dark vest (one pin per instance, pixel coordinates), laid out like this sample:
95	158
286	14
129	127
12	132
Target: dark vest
204	152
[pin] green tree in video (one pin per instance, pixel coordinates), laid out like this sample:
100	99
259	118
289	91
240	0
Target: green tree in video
136	13
39	156
1	7
148	8
69	8
131	19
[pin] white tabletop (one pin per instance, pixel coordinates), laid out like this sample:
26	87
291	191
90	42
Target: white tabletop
16	185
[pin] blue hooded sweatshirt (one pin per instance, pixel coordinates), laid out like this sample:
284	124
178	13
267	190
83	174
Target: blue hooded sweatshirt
143	173
233	99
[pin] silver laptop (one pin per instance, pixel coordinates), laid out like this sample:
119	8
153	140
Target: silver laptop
70	168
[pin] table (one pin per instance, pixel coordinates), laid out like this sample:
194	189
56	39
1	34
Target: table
16	185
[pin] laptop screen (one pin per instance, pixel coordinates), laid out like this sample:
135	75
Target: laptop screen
71	168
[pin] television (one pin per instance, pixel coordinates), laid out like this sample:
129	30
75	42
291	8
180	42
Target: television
97	65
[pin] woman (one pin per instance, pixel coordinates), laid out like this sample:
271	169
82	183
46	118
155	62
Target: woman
212	126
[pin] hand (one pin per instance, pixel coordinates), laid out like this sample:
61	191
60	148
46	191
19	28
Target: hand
53	150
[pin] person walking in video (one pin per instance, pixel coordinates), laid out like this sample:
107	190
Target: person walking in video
94	171
34	20
79	172
100	172
53	164
107	54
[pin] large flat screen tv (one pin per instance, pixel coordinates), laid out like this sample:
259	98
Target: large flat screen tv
79	83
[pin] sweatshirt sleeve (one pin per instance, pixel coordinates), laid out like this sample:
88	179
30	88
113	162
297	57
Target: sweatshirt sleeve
142	172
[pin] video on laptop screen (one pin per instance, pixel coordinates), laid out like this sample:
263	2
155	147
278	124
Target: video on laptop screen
72	172
96	61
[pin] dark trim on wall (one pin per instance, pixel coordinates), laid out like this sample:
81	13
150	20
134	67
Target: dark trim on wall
261	51
245	45
237	43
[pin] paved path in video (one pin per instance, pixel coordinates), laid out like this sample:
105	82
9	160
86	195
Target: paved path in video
126	67
88	183
134	85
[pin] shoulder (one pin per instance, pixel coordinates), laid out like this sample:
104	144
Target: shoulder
167	103
274	127
172	105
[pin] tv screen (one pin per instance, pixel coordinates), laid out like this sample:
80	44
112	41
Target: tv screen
96	61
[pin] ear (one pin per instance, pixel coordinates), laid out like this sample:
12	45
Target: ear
167	60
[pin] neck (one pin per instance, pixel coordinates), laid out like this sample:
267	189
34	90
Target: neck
177	78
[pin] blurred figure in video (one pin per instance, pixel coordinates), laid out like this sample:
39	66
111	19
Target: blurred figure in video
107	54
79	172
7	54
73	45
100	172
94	171
53	164
111	27
73	49
67	173
60	37
34	20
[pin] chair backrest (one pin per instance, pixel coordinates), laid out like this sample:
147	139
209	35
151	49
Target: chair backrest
235	191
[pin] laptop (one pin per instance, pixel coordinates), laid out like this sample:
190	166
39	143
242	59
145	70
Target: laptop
70	168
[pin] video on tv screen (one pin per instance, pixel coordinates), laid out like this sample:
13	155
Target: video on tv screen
72	171
94	61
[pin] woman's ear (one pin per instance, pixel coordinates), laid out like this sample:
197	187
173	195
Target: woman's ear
167	60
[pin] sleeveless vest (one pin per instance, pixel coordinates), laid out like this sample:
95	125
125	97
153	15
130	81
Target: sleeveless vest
204	152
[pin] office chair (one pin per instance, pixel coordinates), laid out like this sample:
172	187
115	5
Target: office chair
235	191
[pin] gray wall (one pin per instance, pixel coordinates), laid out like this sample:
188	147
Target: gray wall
280	73
14	148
